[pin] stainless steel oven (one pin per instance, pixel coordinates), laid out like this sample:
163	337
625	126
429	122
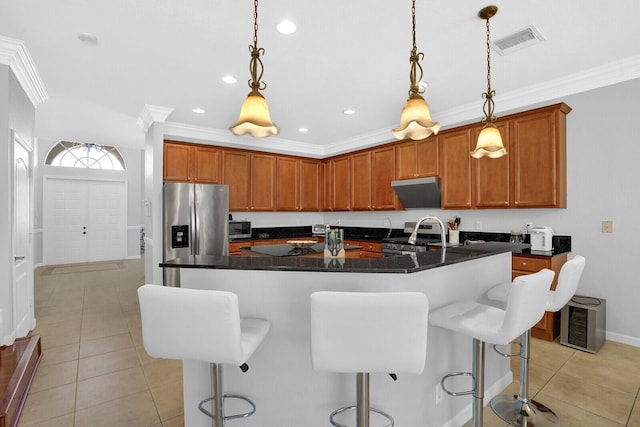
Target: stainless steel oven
429	236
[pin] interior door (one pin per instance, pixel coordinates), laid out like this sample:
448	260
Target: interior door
84	220
23	294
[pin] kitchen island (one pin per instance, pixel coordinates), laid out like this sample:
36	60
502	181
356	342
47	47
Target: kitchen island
287	391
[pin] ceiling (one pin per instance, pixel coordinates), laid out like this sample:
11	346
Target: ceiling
345	54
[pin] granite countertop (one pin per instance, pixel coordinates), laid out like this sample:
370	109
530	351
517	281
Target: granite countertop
409	263
286	250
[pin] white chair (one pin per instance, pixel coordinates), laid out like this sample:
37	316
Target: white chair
520	410
360	332
526	302
202	325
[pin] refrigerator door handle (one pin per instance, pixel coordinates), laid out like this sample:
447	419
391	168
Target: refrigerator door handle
193	218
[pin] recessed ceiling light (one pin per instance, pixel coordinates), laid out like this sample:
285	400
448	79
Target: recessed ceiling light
303	130
349	111
88	38
229	79
286	27
198	110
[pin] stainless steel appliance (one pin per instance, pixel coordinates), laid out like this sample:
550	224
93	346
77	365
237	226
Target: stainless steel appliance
428	235
195	218
583	325
239	229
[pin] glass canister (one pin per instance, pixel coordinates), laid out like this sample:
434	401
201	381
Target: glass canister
516	236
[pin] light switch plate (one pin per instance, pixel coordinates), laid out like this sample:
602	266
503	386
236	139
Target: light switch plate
607	226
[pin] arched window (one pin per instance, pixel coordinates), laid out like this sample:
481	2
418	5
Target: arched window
83	155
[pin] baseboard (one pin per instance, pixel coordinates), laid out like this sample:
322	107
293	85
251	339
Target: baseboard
14	395
624	339
465	415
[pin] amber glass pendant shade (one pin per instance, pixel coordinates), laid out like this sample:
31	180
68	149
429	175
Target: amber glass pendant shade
254	118
489	143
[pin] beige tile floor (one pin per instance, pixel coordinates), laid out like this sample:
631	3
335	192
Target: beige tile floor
95	372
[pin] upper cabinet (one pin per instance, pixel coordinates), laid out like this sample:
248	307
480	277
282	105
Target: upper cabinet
191	163
538	158
532	175
340	183
298	184
236	167
416	159
490	177
455	169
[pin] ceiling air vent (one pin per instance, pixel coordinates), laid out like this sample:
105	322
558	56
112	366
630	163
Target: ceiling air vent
518	40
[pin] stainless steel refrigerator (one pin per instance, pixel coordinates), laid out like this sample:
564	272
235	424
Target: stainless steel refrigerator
195	218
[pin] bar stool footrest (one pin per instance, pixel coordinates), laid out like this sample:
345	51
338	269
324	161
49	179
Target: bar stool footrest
501	353
228	417
353	407
458	393
519	413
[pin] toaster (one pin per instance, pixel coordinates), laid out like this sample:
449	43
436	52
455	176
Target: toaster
541	239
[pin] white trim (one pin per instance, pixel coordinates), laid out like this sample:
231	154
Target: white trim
14	53
623	339
153	113
191	133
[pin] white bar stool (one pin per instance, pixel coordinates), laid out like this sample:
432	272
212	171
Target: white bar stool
525	307
519	410
360	332
203	325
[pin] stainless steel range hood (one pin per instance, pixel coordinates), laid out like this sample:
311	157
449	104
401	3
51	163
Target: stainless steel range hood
419	192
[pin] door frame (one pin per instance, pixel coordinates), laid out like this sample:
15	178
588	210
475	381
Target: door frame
46	217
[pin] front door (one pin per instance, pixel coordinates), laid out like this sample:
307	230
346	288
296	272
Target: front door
84	220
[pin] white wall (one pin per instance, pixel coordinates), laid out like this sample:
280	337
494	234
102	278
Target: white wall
603	152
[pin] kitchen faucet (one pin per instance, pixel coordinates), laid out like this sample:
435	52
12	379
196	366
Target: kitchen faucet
414	235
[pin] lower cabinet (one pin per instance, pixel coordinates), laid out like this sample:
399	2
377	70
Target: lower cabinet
549	327
369	249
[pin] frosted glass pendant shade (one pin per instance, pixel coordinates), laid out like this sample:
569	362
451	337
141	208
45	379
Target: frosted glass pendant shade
415	120
489	143
254	118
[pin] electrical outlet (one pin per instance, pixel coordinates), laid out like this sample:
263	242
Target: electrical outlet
439	392
527	227
607	226
478	225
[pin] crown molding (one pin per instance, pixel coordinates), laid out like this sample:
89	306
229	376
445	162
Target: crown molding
202	134
594	78
14	53
151	114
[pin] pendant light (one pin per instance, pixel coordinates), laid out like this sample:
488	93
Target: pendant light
489	140
415	121
254	116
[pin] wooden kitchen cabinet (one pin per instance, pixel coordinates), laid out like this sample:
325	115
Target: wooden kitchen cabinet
311	185
288	184
191	163
416	159
455	168
538	158
383	172
236	166
263	182
360	173
298	184
490	183
549	327
340	183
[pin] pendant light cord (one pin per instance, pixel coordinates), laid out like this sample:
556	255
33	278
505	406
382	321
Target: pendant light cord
415	58
489	105
255	63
